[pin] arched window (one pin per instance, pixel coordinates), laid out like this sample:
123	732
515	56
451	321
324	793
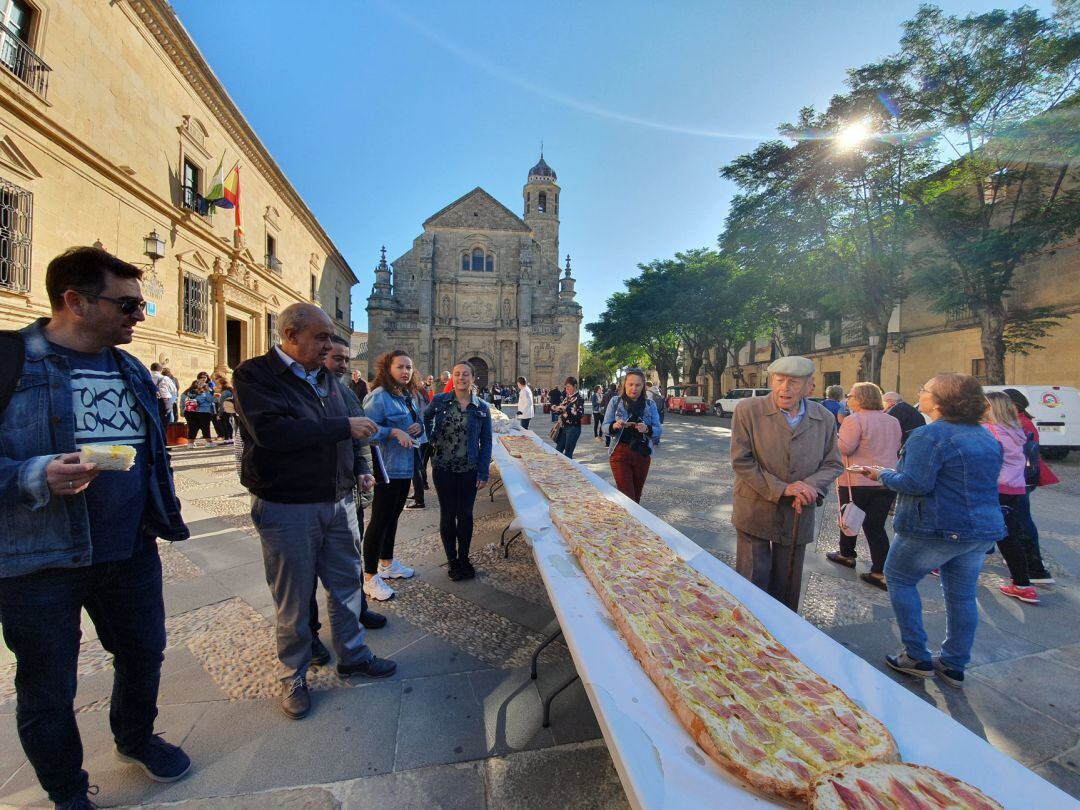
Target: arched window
489	263
541	202
478	260
464	261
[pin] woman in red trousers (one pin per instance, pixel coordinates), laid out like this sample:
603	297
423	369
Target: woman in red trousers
632	422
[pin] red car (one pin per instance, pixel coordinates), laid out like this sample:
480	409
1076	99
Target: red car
686	399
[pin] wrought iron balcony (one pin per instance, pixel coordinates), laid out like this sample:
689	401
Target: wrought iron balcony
272	262
17	57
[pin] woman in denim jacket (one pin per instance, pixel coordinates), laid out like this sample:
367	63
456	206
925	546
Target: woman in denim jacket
947	517
396	443
200	413
633	423
459	425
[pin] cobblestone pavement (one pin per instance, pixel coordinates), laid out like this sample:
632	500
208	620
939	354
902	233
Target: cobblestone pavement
459	724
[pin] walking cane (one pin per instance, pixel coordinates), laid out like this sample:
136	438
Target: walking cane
791	559
794	550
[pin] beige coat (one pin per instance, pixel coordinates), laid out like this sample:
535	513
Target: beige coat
767	455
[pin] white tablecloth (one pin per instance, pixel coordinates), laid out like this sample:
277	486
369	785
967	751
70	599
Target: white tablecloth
659	763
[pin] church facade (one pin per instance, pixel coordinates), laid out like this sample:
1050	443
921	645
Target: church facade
483	284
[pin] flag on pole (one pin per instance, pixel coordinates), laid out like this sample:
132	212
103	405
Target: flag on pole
231	195
216	192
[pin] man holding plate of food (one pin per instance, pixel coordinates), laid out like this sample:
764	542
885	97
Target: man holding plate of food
85	490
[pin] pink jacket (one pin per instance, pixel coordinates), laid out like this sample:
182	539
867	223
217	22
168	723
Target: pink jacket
868	438
1011	478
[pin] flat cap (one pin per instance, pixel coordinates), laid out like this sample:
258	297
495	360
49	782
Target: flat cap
793	366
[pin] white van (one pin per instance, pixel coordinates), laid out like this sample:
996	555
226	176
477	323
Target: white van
725	406
1055	409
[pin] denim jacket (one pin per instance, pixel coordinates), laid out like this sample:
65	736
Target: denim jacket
389	411
38	530
616	411
947	480
478	419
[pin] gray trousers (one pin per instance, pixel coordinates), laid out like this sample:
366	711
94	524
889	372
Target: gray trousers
300	540
774	567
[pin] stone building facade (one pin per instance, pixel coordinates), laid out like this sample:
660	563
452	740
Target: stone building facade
482	284
111	127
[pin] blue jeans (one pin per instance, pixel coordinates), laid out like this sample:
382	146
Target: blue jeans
41	614
908	562
567	440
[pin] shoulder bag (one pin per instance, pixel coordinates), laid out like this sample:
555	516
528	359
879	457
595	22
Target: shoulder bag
851	517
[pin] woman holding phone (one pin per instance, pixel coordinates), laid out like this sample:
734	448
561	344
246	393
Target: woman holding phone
394	447
633	424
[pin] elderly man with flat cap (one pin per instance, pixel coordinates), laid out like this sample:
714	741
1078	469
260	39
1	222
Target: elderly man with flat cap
784	454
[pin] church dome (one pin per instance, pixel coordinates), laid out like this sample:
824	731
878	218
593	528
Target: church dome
541	171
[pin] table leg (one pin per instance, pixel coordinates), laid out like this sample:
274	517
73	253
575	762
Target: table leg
536	655
505	542
552	696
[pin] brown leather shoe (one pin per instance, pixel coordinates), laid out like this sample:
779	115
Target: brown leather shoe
295	698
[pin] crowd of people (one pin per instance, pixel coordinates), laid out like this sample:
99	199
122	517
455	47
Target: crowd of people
960	470
316	447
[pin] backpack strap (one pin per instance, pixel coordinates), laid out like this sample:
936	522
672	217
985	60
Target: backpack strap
12	356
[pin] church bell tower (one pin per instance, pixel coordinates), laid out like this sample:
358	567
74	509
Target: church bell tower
541	197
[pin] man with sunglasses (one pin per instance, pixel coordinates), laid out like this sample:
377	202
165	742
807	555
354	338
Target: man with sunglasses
77	537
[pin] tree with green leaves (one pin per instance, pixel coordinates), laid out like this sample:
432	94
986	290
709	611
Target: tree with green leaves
600	366
635	323
1002	89
826	219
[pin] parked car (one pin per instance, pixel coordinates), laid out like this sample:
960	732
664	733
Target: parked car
1055	410
686	399
726	404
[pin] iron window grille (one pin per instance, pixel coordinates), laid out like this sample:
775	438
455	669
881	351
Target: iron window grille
16	236
196	295
272	337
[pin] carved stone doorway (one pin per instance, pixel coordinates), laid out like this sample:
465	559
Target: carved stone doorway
236	344
480	366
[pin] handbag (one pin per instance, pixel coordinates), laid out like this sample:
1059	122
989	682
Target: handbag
851	517
556	429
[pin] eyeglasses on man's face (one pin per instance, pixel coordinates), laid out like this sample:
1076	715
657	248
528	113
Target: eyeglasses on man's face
128	305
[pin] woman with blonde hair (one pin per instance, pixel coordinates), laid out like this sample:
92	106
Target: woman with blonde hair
1002	421
868	437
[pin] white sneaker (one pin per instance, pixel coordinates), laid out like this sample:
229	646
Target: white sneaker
395	570
378	590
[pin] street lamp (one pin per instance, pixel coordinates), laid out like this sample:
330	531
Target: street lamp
153	247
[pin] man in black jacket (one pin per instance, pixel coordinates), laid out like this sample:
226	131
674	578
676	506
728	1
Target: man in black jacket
300	465
908	416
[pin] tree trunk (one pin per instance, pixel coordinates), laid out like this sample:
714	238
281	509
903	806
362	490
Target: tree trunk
992	322
697	357
662	373
870	364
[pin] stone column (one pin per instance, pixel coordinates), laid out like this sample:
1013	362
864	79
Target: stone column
220	332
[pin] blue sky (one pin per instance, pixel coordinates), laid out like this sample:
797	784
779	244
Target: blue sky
380	113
